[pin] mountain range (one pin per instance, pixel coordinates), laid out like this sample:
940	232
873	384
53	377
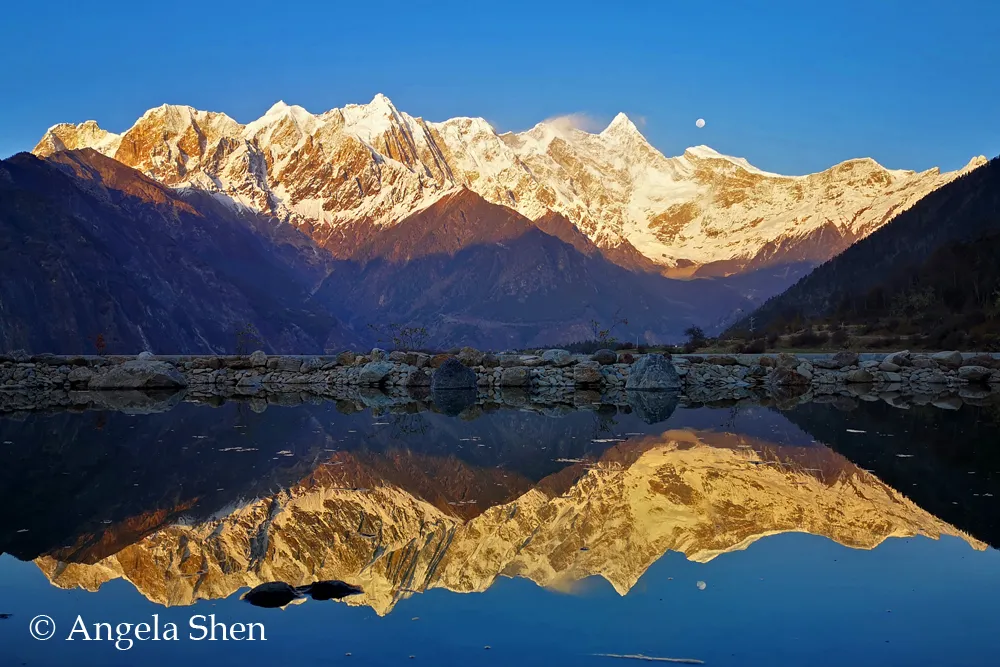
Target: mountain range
376	164
484	238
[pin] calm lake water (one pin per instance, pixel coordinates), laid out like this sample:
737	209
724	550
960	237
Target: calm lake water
851	533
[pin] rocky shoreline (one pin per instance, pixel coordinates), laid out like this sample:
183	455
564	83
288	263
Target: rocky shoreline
550	372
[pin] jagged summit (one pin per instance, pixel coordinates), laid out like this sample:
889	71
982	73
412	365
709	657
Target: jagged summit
374	163
621	124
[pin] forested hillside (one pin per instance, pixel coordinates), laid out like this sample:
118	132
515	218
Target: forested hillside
933	273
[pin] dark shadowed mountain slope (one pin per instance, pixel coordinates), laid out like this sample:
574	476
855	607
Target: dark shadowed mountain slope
477	273
89	246
911	266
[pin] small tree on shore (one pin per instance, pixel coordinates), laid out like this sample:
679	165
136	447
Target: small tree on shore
695	339
247	339
603	335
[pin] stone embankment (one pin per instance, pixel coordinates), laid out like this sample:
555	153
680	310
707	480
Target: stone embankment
905	372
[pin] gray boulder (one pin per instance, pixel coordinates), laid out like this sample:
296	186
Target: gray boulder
951	359
79	376
374	373
285	364
974	373
258	359
587	373
845	358
145	355
508	360
378	354
984	360
889	366
721	360
558	358
470	356
311	364
786	360
653	372
604	357
139	374
418	378
785	376
518	376
898	358
452	374
860	376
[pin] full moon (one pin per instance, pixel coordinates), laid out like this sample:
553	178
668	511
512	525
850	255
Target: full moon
700	122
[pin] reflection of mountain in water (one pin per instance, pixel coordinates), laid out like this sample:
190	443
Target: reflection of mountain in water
72	475
948	461
398	521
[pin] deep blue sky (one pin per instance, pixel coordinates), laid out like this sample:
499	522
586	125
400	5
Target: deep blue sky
792	86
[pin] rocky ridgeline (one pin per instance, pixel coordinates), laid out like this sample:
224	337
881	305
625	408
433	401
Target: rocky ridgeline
484	371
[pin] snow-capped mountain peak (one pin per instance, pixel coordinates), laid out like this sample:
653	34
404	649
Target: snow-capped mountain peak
373	163
702	152
620	124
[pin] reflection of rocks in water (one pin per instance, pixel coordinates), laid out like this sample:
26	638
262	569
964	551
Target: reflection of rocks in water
371	397
515	397
419	392
278	594
842	403
653	406
453	401
365	520
133	401
544	400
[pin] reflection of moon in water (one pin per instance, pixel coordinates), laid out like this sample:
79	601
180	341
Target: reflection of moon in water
701	585
700	122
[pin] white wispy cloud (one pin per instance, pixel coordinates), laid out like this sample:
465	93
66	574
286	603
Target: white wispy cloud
576	121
